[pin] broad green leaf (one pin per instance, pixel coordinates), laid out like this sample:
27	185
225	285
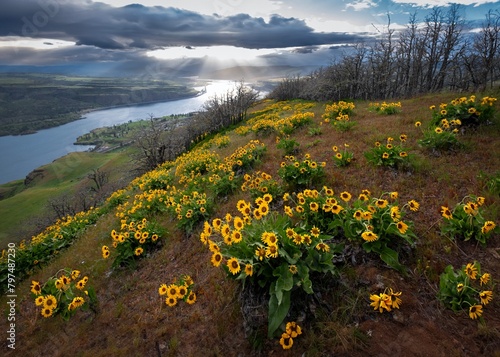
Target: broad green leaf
390	257
277	312
285	278
307	285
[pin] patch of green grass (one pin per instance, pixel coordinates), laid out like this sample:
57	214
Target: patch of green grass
59	177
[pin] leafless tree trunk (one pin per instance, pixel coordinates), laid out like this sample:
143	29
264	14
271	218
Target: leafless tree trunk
231	107
487	48
450	44
100	178
420	59
157	143
149	141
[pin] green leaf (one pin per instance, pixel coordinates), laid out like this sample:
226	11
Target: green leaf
277	312
307	285
291	260
279	296
390	257
285	278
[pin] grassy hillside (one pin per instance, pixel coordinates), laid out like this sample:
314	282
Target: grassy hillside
26	201
66	174
336	318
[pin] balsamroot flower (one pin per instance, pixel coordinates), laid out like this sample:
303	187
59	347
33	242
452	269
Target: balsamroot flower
475	311
471	271
233	265
369	236
486	297
387	300
286	341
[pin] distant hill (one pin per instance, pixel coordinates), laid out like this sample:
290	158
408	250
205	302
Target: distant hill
100	70
190	68
256	72
33	101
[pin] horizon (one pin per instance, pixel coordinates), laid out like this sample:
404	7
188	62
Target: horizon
186	38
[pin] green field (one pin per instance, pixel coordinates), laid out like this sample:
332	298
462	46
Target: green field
22	205
19	212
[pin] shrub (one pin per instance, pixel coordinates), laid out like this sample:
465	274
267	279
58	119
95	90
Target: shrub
117	198
266	248
332	111
295	121
196	161
190	207
468	110
338	115
47	244
63	294
272	119
385	108
343	123
342	157
183	289
260	183
220	141
442	137
133	241
144	203
289	146
466	220
376	224
300	174
315	131
466	289
389	155
159	179
242	130
245	157
224	182
490	182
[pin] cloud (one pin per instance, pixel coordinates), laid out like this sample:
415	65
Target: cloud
361	5
432	3
67	54
137	26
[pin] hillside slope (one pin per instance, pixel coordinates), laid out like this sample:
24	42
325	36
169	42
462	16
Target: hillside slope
132	318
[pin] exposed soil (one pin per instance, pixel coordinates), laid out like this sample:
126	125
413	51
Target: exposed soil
337	320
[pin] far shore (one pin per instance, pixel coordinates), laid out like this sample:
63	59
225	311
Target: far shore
81	114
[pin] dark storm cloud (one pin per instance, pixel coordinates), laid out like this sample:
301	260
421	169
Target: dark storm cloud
31	56
137	26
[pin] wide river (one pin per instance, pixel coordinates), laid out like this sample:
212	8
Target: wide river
19	155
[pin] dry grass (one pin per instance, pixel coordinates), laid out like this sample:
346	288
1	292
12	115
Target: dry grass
133	320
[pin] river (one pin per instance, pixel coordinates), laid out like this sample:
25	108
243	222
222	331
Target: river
19	155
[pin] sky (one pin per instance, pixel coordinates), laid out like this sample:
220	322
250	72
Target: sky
187	37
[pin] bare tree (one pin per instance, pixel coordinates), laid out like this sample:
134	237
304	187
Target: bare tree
487	48
381	63
231	107
99	178
289	87
424	57
159	141
152	148
63	206
450	44
410	53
